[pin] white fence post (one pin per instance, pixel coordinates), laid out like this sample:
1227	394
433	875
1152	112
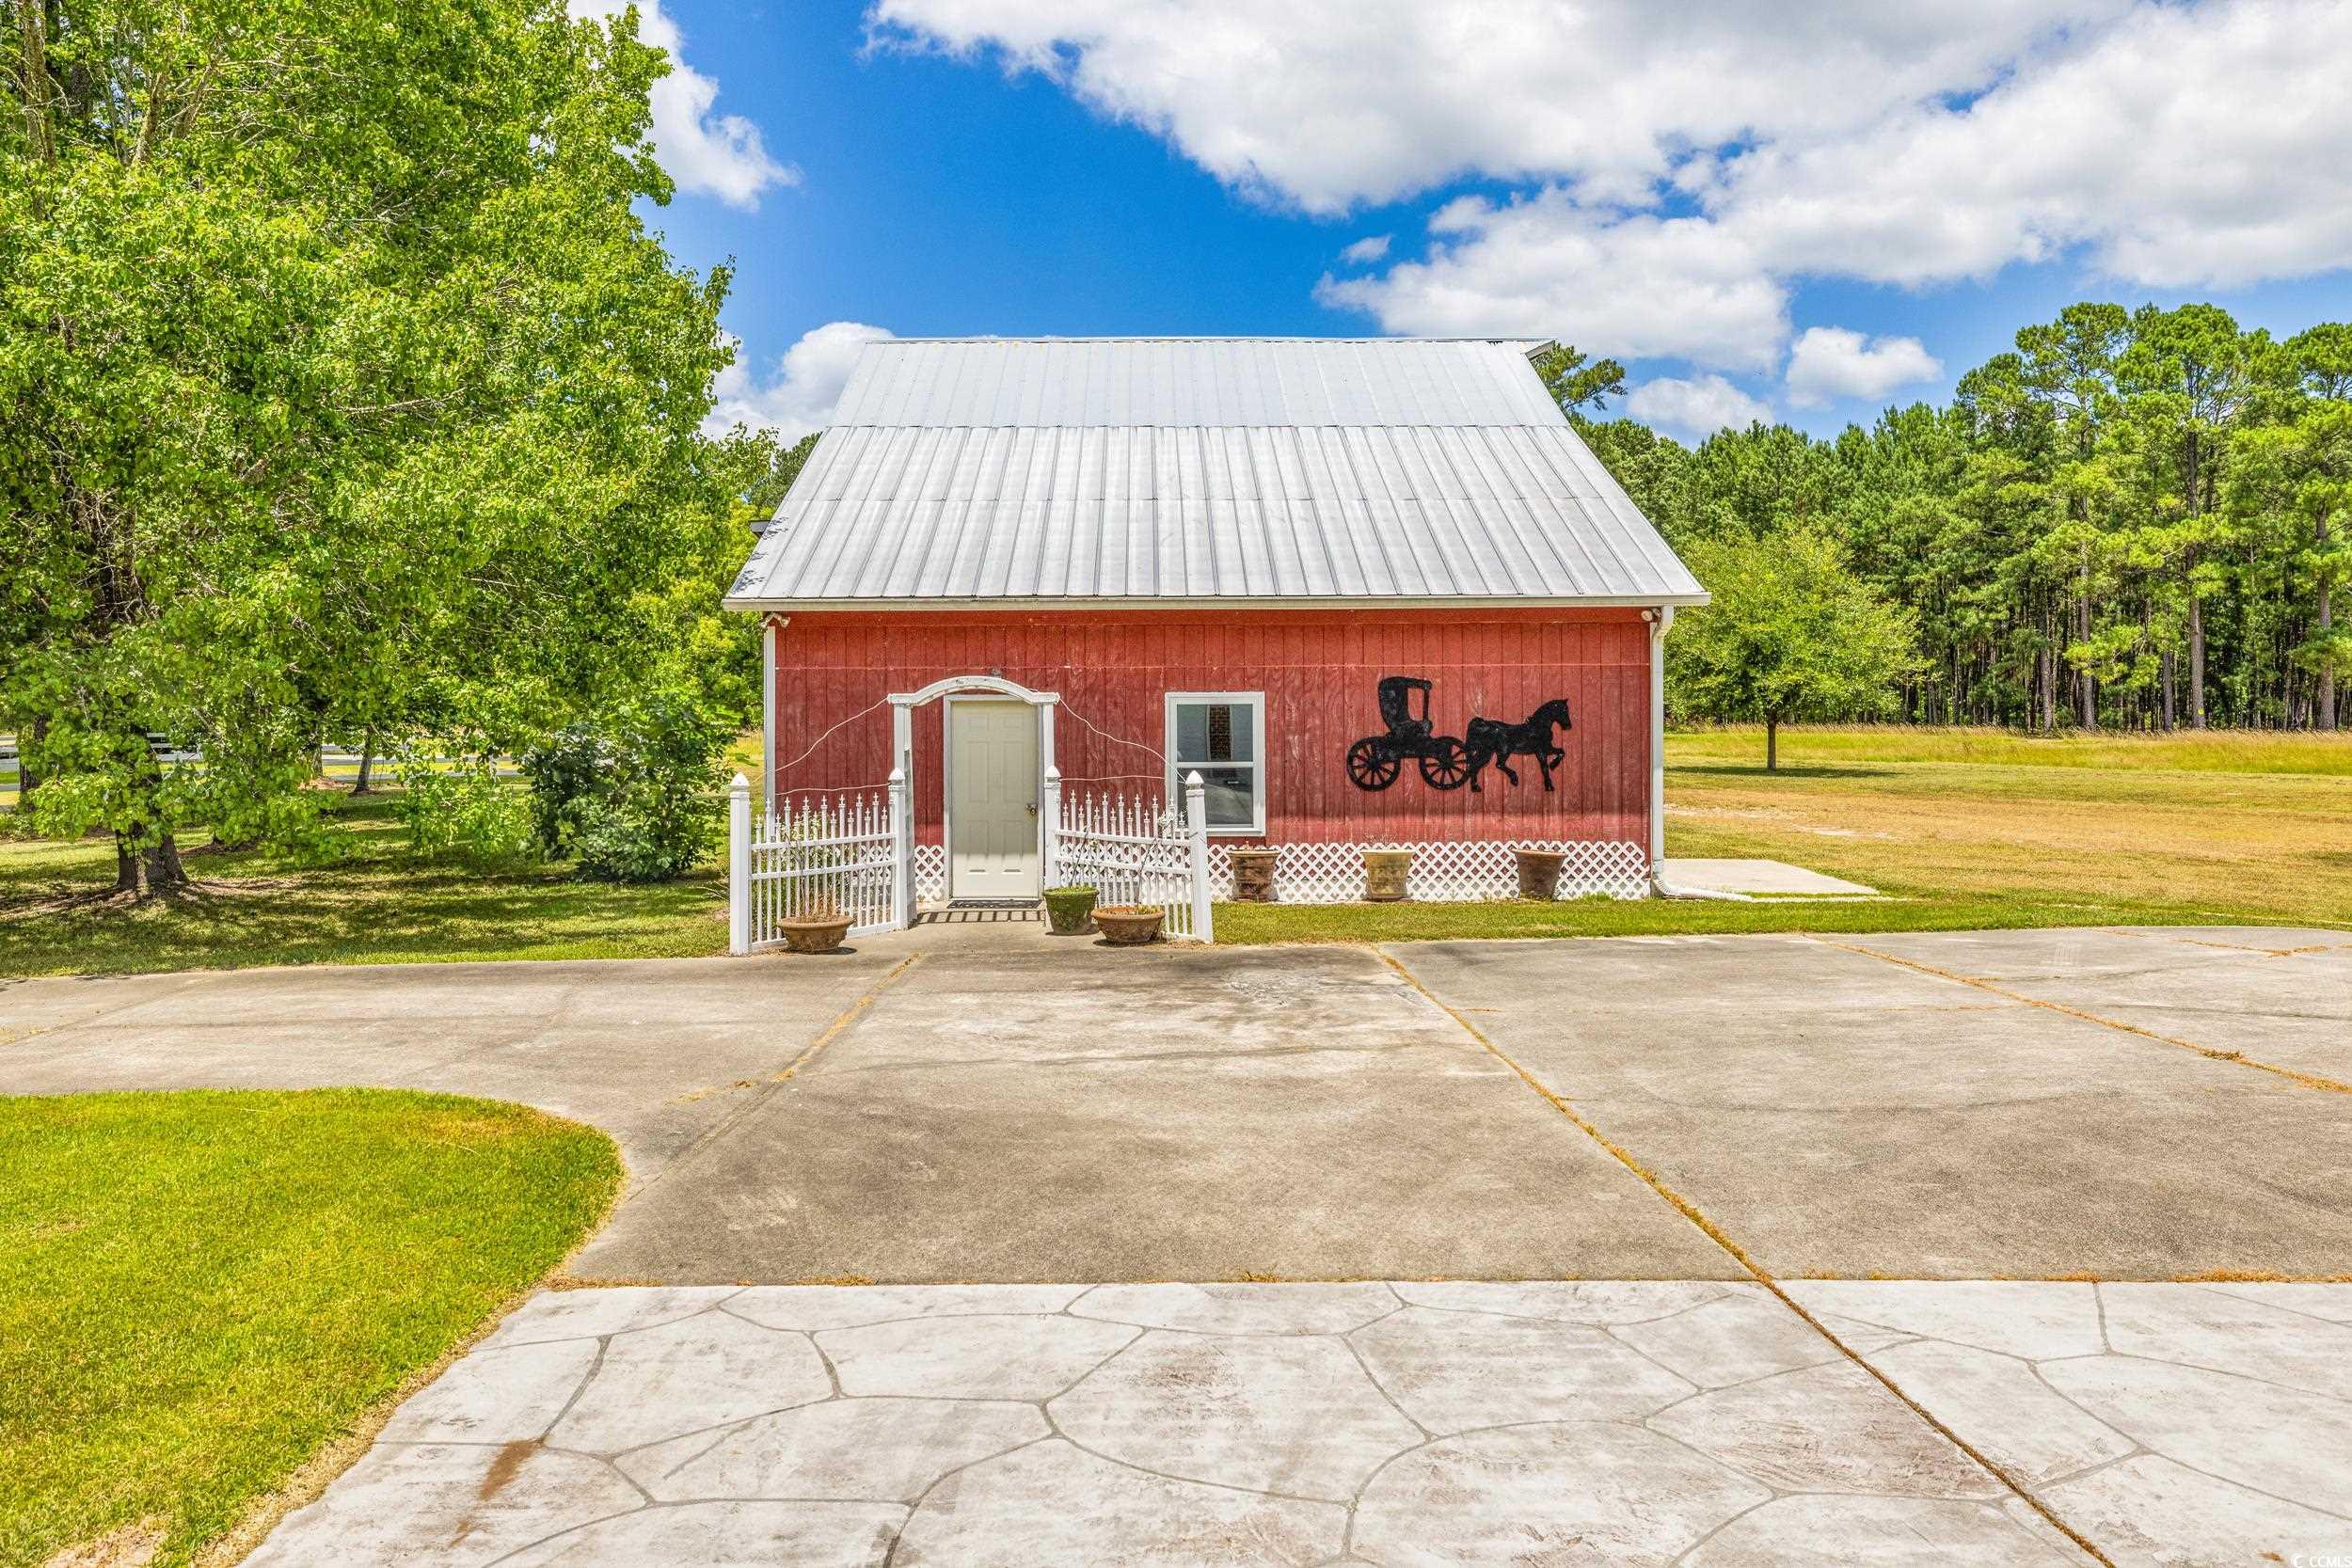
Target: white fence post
1051	825
1197	826
739	865
902	853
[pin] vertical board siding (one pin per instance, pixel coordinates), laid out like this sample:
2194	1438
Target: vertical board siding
1320	670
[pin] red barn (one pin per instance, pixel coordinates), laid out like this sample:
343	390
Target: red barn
1373	591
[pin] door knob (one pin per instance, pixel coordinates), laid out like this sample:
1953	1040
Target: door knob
1033	808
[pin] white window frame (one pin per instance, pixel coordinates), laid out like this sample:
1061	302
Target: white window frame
1255	827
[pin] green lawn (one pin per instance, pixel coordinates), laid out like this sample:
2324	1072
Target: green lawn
1964	828
198	1292
370	904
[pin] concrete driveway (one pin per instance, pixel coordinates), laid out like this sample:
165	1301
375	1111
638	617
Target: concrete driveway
935	1108
1687	1126
1968	1106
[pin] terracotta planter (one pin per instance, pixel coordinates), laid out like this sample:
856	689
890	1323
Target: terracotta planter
1128	925
1539	872
1253	875
1069	911
1385	871
811	933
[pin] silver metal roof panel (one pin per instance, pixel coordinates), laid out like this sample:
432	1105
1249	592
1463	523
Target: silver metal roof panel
1203	470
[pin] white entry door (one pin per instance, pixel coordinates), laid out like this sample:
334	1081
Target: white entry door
992	800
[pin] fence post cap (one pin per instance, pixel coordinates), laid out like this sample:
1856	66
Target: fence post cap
1053	774
1194	780
898	775
741	785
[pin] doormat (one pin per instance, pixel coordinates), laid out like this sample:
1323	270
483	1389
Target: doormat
991	903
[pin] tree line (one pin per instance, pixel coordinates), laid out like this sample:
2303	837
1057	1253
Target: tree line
2136	519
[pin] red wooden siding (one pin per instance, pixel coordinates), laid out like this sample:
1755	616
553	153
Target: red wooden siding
1319	671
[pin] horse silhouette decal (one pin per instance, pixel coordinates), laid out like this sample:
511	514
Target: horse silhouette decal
1376	762
1491	741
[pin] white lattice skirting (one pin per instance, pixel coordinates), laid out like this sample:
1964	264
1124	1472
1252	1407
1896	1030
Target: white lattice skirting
1460	871
931	872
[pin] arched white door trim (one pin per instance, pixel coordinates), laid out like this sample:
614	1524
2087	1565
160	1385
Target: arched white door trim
902	707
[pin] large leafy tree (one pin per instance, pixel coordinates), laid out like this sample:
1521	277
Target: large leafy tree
1793	633
344	388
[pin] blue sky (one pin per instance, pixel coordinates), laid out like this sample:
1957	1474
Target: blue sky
919	186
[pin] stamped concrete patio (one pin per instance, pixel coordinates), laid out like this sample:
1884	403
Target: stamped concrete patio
1383	1425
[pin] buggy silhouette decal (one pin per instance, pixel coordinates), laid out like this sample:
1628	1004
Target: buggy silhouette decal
1377	760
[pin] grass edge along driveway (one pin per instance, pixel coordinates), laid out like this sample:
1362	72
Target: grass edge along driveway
202	1290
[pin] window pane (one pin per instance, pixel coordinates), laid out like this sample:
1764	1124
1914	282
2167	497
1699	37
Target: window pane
1216	732
1228	796
1192	730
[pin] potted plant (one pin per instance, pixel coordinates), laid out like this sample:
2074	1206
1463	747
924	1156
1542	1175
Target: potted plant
1069	911
1128	925
1385	871
1539	872
817	928
1253	875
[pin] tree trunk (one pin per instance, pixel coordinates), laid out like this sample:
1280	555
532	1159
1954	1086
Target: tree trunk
144	873
2196	661
367	760
2323	708
27	780
165	874
1771	744
2087	695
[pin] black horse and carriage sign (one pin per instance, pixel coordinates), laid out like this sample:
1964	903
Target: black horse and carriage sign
1445	762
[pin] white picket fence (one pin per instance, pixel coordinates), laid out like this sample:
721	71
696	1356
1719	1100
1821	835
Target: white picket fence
853	851
1132	850
829	854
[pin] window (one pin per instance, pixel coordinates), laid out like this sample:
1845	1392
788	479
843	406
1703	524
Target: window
1220	735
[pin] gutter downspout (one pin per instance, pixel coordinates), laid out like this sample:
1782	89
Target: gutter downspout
1661	621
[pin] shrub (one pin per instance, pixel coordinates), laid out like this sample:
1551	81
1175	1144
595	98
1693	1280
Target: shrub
460	809
636	795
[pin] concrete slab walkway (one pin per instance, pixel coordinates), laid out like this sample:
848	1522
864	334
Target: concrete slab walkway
1405	1425
1759	877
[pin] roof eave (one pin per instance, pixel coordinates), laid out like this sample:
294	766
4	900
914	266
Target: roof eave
757	603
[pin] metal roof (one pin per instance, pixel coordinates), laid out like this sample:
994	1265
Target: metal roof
994	471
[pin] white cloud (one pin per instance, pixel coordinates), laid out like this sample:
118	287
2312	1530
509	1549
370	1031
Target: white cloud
1621	283
1684	163
1695	408
1831	362
1365	252
706	154
801	394
1328	102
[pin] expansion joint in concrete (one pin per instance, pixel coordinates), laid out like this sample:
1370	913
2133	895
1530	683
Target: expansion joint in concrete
2309	1080
1762	1275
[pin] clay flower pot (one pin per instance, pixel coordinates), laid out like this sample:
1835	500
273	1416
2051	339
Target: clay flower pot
812	933
1385	871
1069	911
1253	875
1128	925
1539	872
